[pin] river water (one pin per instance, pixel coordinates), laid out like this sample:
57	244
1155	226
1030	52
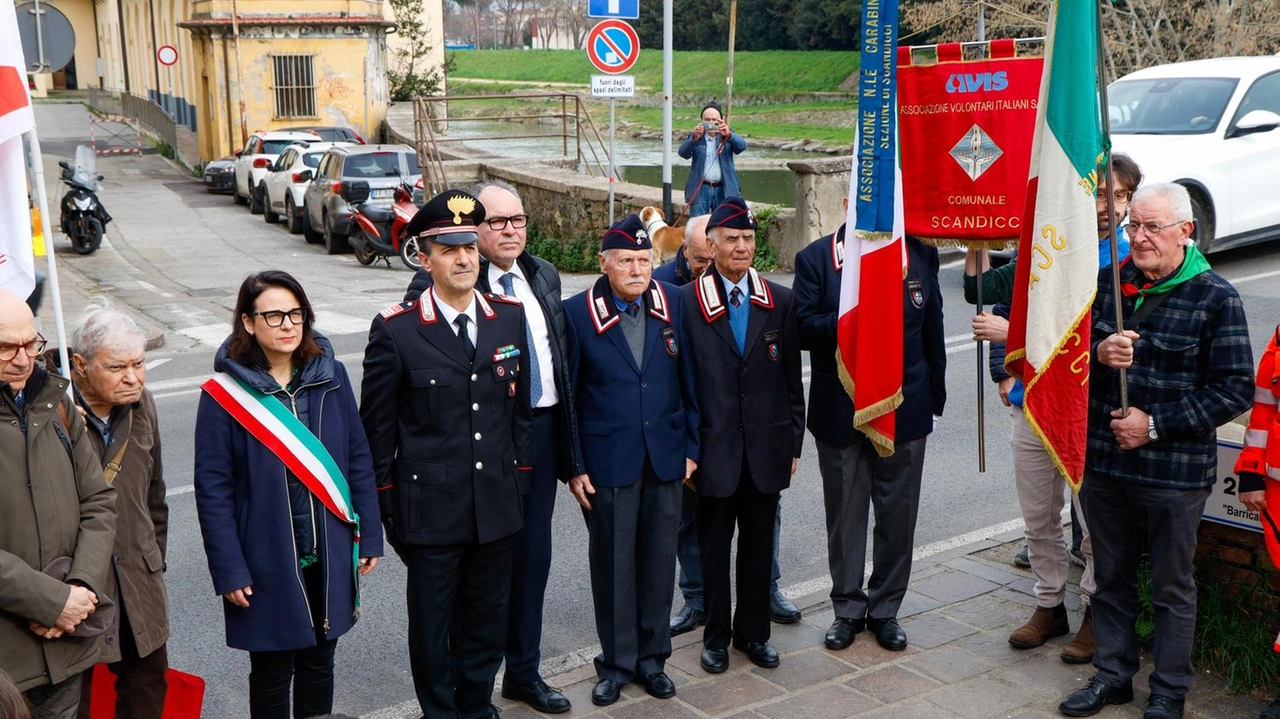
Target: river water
762	173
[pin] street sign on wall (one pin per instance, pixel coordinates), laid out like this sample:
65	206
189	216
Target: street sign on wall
613	85
626	9
167	55
613	46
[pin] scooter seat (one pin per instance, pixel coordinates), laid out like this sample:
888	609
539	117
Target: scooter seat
377	214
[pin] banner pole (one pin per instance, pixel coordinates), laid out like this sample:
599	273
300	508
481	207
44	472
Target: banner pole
982	402
1112	236
42	197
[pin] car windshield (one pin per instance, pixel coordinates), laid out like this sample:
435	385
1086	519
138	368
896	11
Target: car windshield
332	134
312	159
1170	105
375	164
275	147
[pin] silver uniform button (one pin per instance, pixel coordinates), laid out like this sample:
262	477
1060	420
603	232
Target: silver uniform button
475	407
479	465
477	436
473	378
433	381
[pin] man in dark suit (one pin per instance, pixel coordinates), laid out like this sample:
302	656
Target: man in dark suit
445	403
508	268
742	330
637	439
853	475
690	262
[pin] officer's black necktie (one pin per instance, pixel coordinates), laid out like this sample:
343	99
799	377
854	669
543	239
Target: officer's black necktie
465	336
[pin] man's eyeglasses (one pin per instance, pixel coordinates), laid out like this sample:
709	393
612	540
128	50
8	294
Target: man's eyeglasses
1150	228
1121	197
499	223
32	348
275	318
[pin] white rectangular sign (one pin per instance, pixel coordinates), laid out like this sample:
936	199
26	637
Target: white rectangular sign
613	85
1224	505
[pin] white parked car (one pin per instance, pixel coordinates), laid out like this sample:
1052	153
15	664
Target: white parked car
288	178
252	163
1211	125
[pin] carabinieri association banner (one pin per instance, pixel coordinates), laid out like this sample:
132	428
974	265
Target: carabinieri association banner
966	129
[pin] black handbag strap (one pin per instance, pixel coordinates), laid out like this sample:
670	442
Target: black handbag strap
1148	306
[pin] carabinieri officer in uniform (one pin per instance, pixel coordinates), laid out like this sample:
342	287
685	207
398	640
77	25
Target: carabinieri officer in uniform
637	438
445	403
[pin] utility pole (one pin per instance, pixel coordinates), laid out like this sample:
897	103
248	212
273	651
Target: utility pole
667	208
235	30
728	81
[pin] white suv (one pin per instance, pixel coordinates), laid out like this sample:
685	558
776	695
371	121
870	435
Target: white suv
253	161
287	178
1210	125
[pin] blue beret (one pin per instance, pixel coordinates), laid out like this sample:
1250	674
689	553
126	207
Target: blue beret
449	218
734	214
626	234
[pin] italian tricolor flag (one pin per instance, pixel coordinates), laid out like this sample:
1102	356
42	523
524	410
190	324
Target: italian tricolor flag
17	265
1056	279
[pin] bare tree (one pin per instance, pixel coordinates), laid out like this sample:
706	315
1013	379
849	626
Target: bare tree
575	22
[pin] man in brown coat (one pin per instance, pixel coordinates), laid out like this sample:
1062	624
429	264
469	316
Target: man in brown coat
109	371
54	504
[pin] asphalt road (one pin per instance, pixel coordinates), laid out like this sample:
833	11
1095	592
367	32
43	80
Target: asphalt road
177	255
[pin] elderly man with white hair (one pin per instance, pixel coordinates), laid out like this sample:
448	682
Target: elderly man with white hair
109	374
1149	470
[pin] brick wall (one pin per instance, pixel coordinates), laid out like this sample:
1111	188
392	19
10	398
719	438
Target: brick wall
1237	559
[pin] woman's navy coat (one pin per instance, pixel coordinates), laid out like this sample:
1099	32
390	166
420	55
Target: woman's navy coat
242	497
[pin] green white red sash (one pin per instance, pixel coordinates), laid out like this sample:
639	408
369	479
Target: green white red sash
292	443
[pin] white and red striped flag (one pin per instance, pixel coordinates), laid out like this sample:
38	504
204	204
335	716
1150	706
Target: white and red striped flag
17	265
869	329
1057	273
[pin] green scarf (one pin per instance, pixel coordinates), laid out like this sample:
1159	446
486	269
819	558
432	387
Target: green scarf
1193	264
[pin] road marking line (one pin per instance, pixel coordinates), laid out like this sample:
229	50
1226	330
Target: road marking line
157	362
1251	278
179	491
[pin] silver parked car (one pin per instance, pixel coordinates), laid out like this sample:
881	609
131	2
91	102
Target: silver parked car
325	215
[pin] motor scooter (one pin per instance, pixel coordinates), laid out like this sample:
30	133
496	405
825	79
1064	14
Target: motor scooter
83	219
380	231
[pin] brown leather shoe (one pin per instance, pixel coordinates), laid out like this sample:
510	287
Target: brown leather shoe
1045	624
1081	648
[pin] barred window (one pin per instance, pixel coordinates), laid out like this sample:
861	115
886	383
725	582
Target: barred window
294	86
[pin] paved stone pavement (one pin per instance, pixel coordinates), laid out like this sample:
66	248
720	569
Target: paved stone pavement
958	613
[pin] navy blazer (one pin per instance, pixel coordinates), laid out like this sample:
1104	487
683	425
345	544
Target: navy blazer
627	413
751	404
676	272
924	356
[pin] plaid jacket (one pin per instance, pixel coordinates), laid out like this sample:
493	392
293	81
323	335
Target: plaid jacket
1192	371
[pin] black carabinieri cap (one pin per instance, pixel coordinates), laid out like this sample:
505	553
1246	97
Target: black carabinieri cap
449	218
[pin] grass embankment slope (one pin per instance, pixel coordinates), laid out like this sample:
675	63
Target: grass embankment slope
769	87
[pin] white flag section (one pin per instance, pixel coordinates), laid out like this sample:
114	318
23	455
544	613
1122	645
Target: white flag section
17	265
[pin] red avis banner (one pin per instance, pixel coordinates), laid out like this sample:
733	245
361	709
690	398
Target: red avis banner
966	128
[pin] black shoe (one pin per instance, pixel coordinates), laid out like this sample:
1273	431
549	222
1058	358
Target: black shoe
1021	559
687	620
1271	711
1163	707
842	631
781	610
888	633
761	654
715	660
494	712
659	685
1091	700
546	699
606	692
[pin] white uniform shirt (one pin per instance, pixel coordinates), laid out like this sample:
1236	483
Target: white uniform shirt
539	329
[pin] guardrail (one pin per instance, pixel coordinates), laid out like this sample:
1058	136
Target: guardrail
152	118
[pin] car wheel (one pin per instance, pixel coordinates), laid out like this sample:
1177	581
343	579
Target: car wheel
334	243
236	197
1202	214
291	215
309	232
270	216
256	199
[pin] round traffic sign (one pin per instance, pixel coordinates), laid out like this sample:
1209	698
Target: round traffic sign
167	55
613	46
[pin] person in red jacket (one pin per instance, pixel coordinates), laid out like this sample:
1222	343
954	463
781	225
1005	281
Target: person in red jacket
1260	461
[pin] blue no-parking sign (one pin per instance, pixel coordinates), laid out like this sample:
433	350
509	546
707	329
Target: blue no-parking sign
613	46
625	9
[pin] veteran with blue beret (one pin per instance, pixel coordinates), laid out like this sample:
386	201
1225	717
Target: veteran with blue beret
445	404
636	440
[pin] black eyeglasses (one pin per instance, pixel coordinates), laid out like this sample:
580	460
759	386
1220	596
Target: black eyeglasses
275	318
32	348
498	223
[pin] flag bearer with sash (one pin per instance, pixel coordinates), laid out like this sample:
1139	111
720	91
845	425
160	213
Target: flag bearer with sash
284	485
445	402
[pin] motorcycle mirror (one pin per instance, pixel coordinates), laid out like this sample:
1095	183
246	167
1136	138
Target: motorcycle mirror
306	175
63	164
101	177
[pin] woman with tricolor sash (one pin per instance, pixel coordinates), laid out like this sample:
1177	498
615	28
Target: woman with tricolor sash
284	484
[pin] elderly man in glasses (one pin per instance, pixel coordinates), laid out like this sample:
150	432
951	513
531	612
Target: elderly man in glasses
506	267
57	510
1148	470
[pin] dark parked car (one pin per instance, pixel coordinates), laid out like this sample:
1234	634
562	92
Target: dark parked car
330	133
219	175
